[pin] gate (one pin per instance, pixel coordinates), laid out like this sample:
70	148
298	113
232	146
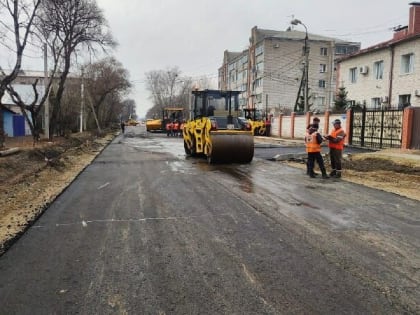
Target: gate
376	129
415	134
18	125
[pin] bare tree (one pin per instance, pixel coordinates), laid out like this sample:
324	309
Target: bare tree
106	82
69	25
20	18
167	89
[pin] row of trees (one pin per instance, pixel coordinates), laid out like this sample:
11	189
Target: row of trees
168	88
69	29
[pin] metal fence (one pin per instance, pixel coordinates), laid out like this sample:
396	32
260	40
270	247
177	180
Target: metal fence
377	129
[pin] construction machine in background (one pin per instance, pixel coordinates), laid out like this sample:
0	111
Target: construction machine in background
256	120
169	115
214	129
131	122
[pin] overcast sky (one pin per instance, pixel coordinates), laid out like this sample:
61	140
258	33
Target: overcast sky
192	35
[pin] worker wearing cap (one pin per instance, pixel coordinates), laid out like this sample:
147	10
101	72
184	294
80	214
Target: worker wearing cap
313	142
336	145
315	122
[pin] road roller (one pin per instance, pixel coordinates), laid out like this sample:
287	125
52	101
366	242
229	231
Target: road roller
214	129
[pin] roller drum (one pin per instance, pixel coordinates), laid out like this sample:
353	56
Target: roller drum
231	148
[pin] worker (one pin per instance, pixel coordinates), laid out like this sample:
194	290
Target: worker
336	147
169	126
175	128
313	140
268	125
315	121
122	126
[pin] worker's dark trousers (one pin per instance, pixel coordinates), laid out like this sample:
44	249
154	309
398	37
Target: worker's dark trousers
336	156
312	157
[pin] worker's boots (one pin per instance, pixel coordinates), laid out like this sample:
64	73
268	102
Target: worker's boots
324	173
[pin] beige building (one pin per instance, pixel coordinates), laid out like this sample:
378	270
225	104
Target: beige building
270	72
386	75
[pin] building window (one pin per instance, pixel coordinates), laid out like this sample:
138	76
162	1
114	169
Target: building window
324	51
321	84
407	63
376	102
322	68
378	68
404	100
353	75
260	67
259	50
320	101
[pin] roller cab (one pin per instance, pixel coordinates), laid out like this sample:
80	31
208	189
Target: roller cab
254	117
215	129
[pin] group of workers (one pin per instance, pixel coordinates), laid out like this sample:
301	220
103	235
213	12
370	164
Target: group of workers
174	128
313	140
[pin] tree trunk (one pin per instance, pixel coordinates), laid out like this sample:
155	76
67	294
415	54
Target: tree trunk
2	135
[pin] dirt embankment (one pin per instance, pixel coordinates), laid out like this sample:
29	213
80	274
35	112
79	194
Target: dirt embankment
33	177
391	170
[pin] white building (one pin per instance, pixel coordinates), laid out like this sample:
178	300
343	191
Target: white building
270	71
386	75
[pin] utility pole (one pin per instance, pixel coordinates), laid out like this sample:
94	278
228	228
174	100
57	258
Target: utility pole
305	76
306	96
82	102
47	103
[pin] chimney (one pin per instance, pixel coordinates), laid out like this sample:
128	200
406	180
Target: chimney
414	19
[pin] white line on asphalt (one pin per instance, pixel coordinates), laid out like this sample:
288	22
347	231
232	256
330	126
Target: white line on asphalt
104	185
84	223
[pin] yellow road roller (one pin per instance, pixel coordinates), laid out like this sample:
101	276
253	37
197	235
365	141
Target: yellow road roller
256	120
215	129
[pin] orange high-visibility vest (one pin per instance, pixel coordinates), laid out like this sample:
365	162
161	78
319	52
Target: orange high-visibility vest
334	133
176	125
169	126
312	144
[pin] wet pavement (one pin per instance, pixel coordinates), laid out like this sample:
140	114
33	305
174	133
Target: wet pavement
145	230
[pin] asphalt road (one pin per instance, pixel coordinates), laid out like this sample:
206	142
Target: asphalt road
144	230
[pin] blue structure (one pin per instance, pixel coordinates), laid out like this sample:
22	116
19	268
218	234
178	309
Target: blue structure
13	124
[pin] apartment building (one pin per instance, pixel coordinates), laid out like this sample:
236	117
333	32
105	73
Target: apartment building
269	73
386	75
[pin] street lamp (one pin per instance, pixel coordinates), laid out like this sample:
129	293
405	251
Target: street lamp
305	78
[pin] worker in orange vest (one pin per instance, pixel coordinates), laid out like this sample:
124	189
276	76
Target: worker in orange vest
336	146
175	128
313	140
181	128
169	127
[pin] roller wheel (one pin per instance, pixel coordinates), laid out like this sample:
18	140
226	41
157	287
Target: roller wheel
187	150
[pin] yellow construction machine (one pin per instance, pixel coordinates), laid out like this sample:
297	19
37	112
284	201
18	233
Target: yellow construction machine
169	114
215	129
256	120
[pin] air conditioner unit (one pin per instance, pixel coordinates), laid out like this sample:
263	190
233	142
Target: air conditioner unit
417	93
384	99
364	70
276	45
